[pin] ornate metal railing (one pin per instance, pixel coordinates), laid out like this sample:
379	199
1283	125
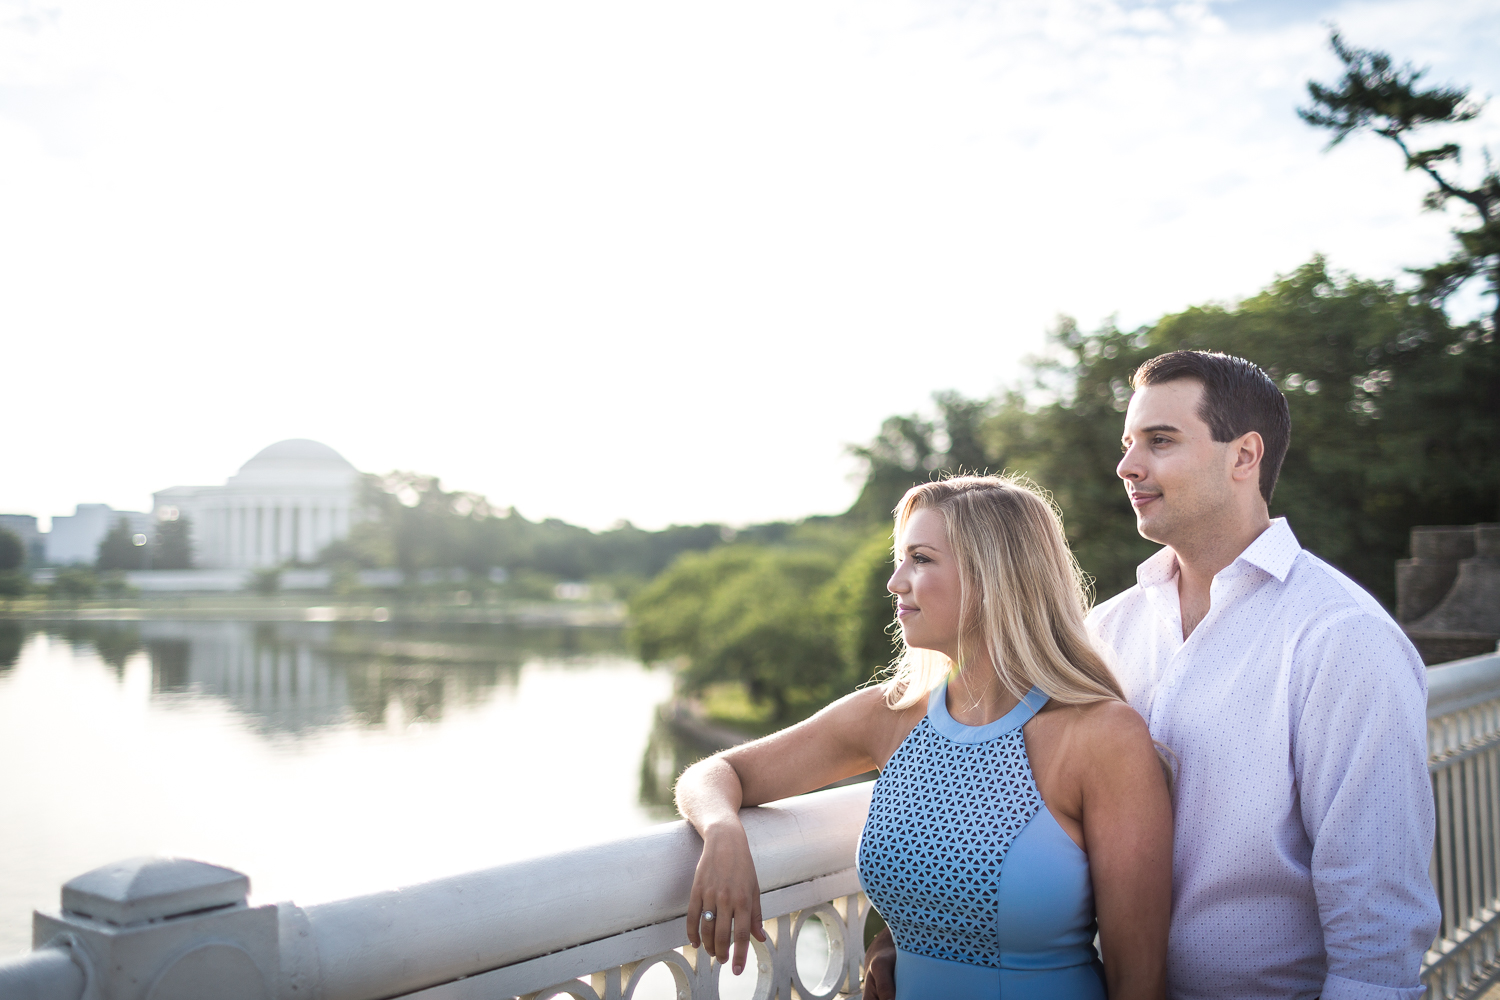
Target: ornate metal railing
606	922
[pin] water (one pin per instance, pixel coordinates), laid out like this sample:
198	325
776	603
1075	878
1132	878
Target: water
322	759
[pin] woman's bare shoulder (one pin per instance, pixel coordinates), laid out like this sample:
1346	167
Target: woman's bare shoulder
866	718
870	705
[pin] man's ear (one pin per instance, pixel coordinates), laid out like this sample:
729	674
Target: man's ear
1247	451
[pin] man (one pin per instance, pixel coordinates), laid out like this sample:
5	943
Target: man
1295	706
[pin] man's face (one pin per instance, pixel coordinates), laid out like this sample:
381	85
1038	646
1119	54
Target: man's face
1176	474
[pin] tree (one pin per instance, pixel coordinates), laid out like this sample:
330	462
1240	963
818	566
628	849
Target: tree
862	609
12	550
1395	413
765	617
119	550
74	583
911	450
173	547
1378	96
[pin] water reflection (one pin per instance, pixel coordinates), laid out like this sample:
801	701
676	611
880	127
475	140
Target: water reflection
672	749
12	637
325	759
292	677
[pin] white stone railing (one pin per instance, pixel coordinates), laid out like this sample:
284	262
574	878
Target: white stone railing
606	922
1463	746
610	914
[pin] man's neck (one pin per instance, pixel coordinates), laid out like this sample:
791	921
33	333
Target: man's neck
1199	560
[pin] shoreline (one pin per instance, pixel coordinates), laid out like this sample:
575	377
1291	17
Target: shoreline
225	607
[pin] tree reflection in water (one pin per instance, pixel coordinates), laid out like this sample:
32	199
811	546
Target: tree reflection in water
291	678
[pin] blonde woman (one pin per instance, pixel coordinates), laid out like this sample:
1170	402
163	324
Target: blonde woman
1020	799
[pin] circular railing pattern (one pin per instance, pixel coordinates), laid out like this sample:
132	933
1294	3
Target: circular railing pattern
695	973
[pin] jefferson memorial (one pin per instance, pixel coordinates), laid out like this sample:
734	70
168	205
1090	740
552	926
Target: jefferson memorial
284	505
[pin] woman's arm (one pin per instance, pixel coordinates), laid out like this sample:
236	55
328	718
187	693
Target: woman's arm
842	740
1127	827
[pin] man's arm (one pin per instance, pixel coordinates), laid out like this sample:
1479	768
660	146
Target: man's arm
880	967
1359	751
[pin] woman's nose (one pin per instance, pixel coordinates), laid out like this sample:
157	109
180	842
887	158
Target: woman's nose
895	584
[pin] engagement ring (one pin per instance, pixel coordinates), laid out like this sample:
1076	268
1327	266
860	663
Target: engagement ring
708	914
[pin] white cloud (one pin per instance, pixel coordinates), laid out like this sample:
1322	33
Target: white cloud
657	260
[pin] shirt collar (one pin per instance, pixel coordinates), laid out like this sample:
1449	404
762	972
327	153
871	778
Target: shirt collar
1159	569
1273	551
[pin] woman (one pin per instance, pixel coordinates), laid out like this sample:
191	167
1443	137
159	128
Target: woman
1019	796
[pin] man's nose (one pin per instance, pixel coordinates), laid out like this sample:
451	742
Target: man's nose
1127	468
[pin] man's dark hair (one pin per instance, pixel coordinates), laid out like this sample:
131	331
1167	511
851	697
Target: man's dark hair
1237	398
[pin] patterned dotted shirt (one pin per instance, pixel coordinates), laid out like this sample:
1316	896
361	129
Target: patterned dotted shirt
1304	814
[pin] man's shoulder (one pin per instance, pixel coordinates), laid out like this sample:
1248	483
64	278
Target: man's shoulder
1319	590
1339	617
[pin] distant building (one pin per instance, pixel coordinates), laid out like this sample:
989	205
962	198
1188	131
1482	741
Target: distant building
284	505
75	537
23	526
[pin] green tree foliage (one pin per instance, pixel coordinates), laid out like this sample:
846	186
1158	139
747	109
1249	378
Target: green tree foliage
911	450
782	621
1395	413
12	551
75	583
12	555
413	524
173	546
1394	418
1376	95
863	611
119	551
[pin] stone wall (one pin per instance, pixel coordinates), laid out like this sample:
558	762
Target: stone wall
1448	592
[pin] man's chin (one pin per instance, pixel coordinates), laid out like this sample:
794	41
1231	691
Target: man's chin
1152	528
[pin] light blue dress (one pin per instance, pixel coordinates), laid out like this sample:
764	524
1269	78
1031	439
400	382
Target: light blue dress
984	893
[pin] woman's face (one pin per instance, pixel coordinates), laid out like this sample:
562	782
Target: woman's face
926	585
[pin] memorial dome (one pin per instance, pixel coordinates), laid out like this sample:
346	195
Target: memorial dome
295	461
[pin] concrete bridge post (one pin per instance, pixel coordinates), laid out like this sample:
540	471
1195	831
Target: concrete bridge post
163	929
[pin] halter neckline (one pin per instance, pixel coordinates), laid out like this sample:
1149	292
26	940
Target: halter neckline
943	722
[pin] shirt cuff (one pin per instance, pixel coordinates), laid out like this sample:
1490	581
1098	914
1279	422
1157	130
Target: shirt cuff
1339	988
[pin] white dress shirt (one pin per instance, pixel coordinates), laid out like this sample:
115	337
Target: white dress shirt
1304	815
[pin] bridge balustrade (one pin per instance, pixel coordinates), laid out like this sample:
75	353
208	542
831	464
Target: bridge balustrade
601	922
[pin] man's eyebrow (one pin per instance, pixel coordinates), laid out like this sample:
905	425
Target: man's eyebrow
1154	428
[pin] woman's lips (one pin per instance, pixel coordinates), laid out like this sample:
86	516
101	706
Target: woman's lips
902	610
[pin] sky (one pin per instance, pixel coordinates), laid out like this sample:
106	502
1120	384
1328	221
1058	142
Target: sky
659	261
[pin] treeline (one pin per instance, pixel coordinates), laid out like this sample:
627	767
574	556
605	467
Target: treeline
412	524
1395	421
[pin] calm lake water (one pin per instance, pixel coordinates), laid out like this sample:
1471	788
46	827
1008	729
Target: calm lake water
322	759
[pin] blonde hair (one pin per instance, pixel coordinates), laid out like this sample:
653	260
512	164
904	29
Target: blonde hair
1023	597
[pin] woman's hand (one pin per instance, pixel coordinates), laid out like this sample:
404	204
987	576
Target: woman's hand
851	736
725	901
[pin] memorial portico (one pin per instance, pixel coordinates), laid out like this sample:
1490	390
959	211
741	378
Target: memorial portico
284	505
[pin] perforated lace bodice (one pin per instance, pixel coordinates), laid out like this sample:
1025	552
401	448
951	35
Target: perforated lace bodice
943	816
